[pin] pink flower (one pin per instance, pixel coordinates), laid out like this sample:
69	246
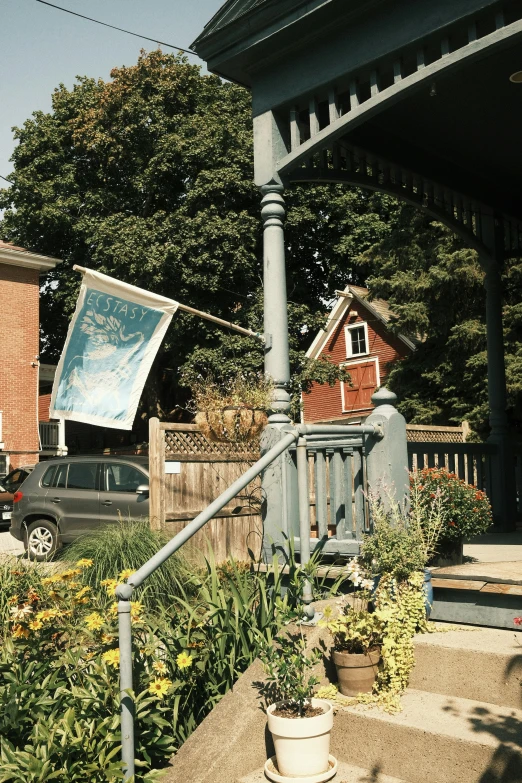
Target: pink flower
517	620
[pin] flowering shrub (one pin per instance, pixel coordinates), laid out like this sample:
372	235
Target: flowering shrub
59	678
466	509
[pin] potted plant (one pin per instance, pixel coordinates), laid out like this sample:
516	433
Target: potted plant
466	512
357	636
232	410
404	539
300	724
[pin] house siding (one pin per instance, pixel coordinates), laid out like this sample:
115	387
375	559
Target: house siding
19	335
324	402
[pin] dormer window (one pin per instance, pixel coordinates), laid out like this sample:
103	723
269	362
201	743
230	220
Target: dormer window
356	339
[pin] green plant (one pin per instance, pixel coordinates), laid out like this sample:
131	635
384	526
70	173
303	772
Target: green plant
59	691
288	666
355	629
125	547
403	539
250	389
466	510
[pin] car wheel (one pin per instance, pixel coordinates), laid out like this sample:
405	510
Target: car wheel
42	540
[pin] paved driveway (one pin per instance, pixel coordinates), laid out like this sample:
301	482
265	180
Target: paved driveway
9	545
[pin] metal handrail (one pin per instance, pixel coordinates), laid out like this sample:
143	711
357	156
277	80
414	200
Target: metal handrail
124	591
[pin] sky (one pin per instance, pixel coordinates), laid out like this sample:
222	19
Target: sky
42	47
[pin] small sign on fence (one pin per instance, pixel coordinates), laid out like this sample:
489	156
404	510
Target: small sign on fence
172	467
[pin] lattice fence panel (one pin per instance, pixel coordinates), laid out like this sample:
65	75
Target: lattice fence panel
450	435
194	443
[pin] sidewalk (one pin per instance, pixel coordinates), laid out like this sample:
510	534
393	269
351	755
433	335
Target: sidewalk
9	545
495	548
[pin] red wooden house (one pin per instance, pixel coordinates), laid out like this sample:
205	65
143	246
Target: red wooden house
356	337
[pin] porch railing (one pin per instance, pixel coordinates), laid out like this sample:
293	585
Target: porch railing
49	434
124	592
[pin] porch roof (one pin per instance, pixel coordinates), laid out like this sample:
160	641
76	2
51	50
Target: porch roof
426	86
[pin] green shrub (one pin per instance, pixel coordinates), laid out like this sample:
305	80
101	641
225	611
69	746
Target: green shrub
126	546
466	509
59	691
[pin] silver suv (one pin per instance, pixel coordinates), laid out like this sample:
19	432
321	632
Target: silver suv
65	498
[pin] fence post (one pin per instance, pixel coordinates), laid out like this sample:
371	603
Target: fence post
156	471
387	458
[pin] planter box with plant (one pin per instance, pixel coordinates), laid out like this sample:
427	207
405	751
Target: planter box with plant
299	723
233	411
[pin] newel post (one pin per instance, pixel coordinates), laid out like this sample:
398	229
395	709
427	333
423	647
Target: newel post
387	457
279	479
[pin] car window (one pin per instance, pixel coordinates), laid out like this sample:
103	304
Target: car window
12	481
60	476
82	475
124	478
47	479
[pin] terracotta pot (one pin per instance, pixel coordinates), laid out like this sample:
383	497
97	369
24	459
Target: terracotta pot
302	745
356	672
233	424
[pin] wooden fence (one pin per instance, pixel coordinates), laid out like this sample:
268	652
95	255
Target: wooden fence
188	472
470	461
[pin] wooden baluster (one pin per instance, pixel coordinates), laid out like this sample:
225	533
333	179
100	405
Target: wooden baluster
358	485
349	531
313	111
337	494
480	473
462	467
354	96
333	106
295	130
321	506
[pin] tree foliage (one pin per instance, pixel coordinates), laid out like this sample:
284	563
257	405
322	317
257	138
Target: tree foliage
148	178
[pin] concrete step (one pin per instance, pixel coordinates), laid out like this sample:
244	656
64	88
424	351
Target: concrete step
346	773
483	664
438	738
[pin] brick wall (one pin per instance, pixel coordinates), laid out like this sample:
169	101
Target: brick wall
44	402
19	340
324	403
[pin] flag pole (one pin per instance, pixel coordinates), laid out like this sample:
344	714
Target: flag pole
206	316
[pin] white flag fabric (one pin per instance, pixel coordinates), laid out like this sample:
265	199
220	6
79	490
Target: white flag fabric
112	340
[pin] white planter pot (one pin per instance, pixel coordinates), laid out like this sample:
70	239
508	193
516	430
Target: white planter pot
302	745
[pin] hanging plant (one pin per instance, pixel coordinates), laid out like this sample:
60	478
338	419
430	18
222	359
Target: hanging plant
233	411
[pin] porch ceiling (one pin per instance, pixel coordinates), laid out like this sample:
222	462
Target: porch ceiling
467	136
468	133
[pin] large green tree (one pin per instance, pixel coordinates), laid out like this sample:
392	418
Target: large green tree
148	177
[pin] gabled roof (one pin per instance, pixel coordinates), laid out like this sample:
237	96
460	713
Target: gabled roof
377	307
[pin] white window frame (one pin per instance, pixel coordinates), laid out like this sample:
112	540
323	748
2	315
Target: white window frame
348	340
346	366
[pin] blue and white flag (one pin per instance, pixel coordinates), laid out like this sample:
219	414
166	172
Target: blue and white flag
112	340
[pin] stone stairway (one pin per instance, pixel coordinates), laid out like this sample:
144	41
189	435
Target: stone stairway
461	722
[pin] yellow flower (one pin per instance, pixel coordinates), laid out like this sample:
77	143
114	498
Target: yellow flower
83	592
136	608
88	656
111	657
110	585
107	638
126	573
184	660
35	625
47	614
50	580
160	687
113	608
159	667
85	562
20	632
67	576
94	621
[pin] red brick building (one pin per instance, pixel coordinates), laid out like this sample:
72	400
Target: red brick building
357	338
19	337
